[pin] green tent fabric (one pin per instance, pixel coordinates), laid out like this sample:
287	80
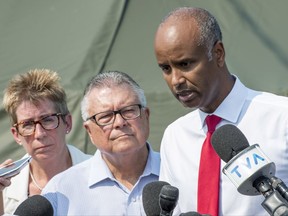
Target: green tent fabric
80	38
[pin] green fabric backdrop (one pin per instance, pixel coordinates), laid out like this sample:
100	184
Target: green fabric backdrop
80	38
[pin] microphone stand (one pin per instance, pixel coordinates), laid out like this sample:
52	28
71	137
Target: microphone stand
280	186
274	203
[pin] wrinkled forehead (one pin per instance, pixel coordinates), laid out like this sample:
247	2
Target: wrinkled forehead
28	109
112	96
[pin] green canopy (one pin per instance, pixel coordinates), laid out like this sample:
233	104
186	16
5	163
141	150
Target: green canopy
80	38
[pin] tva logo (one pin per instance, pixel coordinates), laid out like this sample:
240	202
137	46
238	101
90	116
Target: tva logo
246	166
252	161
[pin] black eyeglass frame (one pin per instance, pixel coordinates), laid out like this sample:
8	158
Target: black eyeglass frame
115	112
39	122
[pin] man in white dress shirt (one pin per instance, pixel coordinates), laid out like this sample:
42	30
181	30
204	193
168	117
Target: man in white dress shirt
189	50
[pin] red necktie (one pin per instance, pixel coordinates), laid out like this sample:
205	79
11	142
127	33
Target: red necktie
209	173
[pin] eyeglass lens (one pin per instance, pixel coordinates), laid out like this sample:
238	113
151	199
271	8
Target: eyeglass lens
129	112
48	123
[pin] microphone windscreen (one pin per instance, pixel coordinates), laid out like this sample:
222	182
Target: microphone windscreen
168	198
36	205
190	214
150	197
228	141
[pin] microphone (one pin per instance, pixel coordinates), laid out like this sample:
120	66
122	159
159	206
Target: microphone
192	214
36	205
160	198
150	197
247	166
168	199
249	169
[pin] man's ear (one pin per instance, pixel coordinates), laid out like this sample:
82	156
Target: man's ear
147	112
87	128
219	53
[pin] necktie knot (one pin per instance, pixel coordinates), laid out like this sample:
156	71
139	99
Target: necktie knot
212	121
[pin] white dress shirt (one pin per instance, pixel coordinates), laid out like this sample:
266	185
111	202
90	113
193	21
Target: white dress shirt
263	119
90	189
18	190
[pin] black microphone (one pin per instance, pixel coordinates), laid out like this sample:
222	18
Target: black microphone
247	166
192	214
160	198
150	197
168	199
36	205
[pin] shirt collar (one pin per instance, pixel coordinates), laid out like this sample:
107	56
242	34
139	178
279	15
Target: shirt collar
230	108
99	170
153	163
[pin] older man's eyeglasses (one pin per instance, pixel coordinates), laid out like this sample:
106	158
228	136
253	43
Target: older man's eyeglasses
108	117
27	128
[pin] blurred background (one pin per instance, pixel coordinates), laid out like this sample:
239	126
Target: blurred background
81	38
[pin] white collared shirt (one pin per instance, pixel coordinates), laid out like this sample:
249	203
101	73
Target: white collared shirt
263	119
90	189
